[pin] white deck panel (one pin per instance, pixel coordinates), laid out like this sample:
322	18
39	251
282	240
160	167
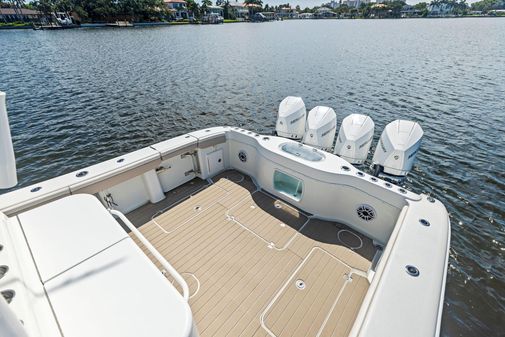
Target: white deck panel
118	293
68	231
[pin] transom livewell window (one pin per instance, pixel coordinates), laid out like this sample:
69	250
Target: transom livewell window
288	185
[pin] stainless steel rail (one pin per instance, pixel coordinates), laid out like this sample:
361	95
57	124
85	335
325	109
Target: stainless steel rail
166	265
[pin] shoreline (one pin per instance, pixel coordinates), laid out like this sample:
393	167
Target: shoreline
182	23
105	25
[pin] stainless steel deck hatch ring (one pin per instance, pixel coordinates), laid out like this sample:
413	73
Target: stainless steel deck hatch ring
412	271
300	284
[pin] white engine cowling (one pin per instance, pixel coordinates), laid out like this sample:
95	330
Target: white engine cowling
291	118
320	128
354	138
397	148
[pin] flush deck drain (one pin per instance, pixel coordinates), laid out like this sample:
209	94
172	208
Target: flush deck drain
300	284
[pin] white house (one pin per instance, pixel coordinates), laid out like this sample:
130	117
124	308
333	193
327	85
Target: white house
355	3
287	12
238	10
178	8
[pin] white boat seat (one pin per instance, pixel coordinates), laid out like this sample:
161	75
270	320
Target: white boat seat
93	272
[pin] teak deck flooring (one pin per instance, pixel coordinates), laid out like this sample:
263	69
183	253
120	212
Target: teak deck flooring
255	265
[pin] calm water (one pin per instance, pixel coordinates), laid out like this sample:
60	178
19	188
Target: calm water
79	97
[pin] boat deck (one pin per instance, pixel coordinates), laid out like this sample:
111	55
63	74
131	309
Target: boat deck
255	265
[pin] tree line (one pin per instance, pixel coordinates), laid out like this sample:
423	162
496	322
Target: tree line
488	5
106	10
156	10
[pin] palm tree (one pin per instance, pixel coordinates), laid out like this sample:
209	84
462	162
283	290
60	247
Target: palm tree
204	6
226	10
193	7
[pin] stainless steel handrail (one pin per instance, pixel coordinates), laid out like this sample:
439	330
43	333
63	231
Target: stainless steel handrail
168	267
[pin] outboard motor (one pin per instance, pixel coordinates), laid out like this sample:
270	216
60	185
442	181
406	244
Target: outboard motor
291	118
395	154
354	138
320	128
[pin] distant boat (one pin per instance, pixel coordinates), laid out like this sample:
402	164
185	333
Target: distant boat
59	20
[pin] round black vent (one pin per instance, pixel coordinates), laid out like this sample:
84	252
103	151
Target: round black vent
242	156
3	271
366	212
8	295
81	174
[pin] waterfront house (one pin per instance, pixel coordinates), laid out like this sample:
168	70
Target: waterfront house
178	9
213	14
380	11
440	9
409	11
238	11
216	10
253	8
354	3
287	12
324	13
8	15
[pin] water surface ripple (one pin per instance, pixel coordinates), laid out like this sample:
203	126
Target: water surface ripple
78	97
